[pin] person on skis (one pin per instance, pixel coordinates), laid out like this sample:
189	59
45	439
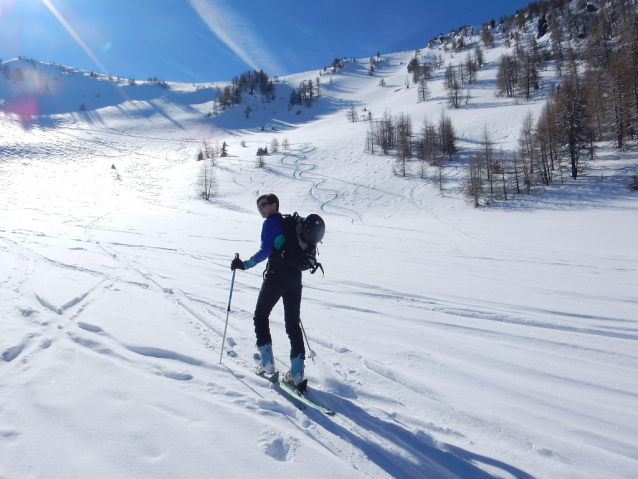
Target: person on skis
280	282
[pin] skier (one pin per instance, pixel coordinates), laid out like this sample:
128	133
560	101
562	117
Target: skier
279	281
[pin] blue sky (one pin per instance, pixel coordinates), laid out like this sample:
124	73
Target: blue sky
214	40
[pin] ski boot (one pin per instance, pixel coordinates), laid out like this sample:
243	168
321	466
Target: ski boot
267	363
295	376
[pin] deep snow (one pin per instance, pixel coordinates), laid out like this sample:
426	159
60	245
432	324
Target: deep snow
450	341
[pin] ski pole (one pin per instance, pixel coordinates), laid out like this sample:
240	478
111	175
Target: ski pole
232	283
312	353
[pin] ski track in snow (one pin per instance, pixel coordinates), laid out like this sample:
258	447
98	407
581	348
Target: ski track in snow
374	439
307	171
391	447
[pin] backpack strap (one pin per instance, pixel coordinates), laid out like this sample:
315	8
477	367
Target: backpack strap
313	270
316	266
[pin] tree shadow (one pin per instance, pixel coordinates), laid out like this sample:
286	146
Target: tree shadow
82	96
601	185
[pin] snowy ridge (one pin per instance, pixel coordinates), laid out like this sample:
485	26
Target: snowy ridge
451	342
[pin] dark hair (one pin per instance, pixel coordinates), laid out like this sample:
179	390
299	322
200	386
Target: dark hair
270	198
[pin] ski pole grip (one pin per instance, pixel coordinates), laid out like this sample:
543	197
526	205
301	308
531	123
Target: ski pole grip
236	255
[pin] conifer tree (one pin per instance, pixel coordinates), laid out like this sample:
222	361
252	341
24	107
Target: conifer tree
423	90
352	115
471	68
541	26
453	87
447	136
574	134
507	76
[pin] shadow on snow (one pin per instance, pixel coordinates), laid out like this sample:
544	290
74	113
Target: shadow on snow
413	454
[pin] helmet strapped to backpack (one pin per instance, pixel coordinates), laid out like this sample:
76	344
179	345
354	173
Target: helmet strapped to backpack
299	250
312	229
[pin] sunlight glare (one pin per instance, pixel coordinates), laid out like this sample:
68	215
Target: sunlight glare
73	34
79	41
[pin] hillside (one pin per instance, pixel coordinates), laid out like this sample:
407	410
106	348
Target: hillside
451	341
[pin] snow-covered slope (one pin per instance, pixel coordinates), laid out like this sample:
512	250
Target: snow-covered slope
450	341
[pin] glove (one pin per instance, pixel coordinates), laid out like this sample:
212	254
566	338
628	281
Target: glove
237	264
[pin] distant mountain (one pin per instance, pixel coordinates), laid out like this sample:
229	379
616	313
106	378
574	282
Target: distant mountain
572	67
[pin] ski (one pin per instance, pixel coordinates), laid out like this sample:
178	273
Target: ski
301	393
274	378
298	393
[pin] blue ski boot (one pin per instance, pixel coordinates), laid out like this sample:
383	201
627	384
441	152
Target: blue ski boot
295	376
267	364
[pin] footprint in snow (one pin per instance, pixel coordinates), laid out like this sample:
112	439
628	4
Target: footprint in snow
89	327
279	447
178	376
13	352
8	435
26	312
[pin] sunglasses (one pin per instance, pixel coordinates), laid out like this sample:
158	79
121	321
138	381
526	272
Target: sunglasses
262	206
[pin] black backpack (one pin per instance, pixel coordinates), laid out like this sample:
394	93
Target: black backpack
299	250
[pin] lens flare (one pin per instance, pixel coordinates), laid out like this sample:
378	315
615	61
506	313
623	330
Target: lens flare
28	86
73	34
33	88
25	108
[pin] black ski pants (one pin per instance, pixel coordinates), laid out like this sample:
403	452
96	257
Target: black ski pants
280	283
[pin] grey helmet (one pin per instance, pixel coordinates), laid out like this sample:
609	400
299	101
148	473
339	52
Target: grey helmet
313	228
